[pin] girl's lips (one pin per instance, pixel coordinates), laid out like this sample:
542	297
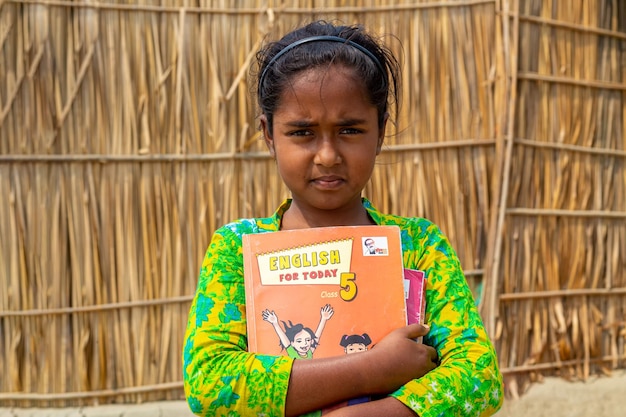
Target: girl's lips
329	182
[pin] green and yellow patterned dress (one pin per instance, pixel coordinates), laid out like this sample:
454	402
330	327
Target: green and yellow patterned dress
222	379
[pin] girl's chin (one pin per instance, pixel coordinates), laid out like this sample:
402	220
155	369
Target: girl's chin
331	201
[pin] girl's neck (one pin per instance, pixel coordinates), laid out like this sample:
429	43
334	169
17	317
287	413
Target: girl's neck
297	218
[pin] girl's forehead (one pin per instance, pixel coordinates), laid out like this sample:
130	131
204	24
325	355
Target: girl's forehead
327	75
324	71
335	87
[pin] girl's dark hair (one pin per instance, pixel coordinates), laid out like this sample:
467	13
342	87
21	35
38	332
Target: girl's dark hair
275	74
355	338
291	330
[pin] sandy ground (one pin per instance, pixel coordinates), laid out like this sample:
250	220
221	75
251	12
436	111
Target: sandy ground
554	397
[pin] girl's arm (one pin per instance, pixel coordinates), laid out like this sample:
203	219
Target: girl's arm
468	381
220	376
396	359
387	406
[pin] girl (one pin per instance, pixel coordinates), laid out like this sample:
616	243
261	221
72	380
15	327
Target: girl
297	340
324	92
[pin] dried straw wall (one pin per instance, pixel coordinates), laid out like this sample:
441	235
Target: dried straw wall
127	135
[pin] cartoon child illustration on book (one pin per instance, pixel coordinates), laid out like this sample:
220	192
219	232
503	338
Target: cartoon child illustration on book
351	344
355	343
299	341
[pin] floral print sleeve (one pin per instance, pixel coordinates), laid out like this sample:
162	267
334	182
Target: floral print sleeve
468	381
220	376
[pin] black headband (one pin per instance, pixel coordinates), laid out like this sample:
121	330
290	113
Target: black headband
321	38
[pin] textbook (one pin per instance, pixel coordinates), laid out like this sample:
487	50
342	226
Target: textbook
415	296
328	291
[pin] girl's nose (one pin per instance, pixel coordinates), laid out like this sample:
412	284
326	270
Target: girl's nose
327	153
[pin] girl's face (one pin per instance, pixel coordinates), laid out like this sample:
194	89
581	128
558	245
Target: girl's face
302	342
325	140
355	347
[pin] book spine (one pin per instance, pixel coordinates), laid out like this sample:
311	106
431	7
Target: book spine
249	284
415	294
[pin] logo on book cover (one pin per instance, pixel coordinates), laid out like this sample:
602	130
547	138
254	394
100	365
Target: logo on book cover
320	263
375	246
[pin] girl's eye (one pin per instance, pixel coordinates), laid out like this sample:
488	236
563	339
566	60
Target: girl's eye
349	131
301	132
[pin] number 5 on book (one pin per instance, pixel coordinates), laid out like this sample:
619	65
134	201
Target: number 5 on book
348	286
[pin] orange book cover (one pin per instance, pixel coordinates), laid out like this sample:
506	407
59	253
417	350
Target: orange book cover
326	291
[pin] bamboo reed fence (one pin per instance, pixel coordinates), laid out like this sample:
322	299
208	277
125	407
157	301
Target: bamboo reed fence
128	135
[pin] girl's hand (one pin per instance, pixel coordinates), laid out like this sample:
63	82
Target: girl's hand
398	358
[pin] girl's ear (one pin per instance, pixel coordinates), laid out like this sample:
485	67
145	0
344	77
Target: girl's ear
267	137
381	134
